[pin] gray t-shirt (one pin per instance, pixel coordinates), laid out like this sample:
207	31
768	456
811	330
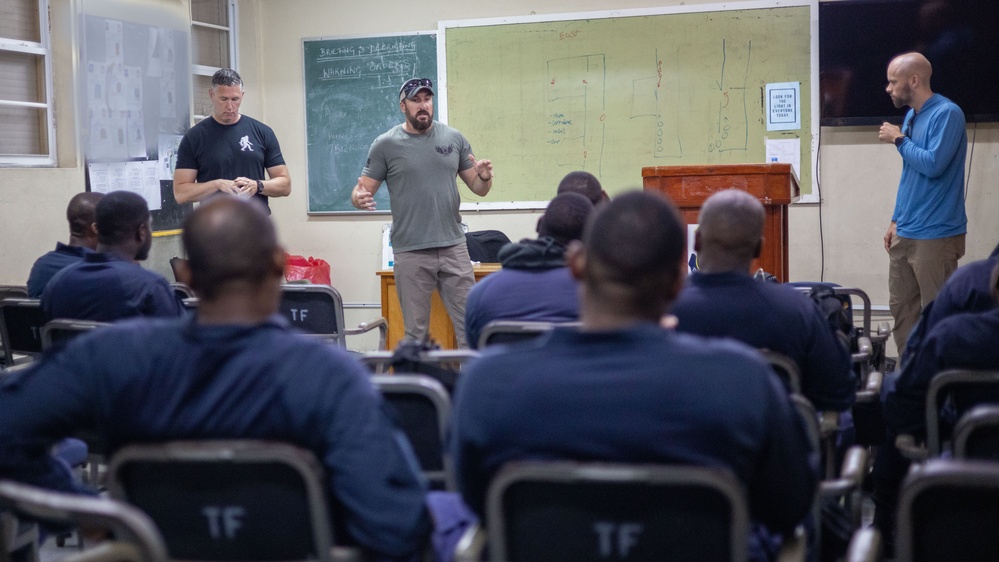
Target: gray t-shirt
420	172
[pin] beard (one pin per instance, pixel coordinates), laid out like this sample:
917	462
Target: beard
902	99
420	125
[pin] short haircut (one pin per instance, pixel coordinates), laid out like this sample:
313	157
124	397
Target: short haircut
119	215
226	77
82	212
227	240
583	183
565	218
731	225
634	246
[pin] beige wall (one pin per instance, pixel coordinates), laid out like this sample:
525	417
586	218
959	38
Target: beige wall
858	174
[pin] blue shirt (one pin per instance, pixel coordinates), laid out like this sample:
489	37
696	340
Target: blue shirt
775	317
104	287
642	395
152	380
930	199
548	295
51	263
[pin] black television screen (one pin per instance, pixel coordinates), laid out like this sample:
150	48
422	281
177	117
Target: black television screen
857	39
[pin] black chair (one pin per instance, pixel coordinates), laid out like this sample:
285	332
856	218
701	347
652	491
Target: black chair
423	408
512	331
229	500
454	359
21	323
580	512
61	330
484	245
976	435
786	369
318	310
964	389
949	510
136	538
13	292
182	291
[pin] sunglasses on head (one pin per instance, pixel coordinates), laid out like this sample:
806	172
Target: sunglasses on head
414	85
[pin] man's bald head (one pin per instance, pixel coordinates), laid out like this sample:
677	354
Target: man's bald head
230	240
81	213
913	64
729	232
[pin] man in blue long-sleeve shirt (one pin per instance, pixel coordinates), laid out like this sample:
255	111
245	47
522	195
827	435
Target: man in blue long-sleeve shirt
926	235
234	370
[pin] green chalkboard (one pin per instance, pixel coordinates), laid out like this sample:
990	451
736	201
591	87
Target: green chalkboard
352	96
611	95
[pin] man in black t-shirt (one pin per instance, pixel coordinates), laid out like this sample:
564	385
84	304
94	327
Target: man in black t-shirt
229	152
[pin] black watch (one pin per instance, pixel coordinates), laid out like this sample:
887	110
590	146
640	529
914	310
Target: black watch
898	141
260	187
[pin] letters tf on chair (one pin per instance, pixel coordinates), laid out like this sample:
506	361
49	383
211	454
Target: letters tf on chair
318	310
561	511
229	500
21	322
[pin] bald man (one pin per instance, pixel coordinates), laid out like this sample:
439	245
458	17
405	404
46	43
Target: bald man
926	235
722	299
81	215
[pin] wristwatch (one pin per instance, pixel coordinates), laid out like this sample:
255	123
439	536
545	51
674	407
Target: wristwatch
260	187
898	141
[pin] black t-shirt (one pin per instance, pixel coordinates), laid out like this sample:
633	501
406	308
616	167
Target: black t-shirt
246	148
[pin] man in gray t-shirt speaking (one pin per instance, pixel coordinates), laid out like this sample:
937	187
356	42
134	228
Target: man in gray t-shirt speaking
419	161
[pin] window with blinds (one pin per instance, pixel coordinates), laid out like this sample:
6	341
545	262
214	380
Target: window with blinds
213	36
28	137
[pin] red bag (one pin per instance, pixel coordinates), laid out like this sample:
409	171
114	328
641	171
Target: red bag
314	270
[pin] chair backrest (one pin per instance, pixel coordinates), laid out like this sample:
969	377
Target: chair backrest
21	323
785	367
976	435
966	388
423	408
61	330
13	292
454	359
129	525
545	511
228	500
316	309
949	510
182	291
512	331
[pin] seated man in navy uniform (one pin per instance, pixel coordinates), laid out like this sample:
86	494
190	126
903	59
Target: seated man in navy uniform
109	284
80	213
232	370
960	341
722	299
535	284
623	389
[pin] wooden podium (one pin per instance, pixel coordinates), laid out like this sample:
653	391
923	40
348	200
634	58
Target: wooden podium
773	184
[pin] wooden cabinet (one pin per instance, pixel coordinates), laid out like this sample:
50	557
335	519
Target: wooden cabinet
773	184
441	330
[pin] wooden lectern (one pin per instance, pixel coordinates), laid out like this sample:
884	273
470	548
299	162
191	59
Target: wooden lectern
773	184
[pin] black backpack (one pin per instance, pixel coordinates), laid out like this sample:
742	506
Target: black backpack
838	312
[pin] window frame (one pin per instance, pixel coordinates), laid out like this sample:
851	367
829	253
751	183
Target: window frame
42	48
204	70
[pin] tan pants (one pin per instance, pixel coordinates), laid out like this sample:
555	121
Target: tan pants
916	272
419	272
